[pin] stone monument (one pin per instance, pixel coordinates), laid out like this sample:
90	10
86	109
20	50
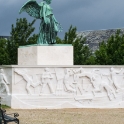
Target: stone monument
67	86
45	76
45	52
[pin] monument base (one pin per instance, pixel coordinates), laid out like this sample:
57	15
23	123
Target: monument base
55	87
46	55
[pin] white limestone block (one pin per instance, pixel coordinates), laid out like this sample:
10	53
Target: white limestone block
45	55
55	87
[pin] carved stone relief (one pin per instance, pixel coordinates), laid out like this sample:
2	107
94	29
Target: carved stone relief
3	83
47	81
28	79
79	86
114	80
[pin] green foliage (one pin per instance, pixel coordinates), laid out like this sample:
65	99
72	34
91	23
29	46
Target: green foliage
112	52
81	51
4	107
4	57
21	34
91	60
22	31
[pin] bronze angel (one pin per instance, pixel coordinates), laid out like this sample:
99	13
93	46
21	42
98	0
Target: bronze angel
49	26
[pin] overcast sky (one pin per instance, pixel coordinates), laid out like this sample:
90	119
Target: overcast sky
84	14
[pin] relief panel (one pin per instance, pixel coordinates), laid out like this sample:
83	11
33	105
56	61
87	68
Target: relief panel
76	86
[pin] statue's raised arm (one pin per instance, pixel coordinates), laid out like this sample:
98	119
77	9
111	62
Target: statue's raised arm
49	26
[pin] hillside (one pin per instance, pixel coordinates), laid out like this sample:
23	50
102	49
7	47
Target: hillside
93	38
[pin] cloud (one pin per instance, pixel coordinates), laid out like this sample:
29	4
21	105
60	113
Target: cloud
11	2
84	14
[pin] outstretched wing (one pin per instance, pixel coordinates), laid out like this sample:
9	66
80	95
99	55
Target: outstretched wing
32	8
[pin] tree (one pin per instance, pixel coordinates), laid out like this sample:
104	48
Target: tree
20	36
81	51
4	57
112	51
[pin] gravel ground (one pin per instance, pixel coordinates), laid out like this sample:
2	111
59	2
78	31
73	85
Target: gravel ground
70	116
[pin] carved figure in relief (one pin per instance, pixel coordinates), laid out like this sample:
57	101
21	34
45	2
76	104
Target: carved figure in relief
102	84
69	87
46	80
76	79
28	79
59	76
113	73
87	74
97	81
3	82
79	73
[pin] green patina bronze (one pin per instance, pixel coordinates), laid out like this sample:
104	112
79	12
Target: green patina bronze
49	26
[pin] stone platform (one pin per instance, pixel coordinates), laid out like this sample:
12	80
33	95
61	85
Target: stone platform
53	87
46	55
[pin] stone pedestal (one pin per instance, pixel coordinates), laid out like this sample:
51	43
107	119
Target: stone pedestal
55	87
46	55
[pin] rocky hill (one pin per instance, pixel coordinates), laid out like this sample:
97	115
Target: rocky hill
93	38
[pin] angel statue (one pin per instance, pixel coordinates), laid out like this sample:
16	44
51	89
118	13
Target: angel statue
49	26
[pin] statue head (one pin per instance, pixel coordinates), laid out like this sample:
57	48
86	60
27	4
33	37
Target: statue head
48	1
67	71
112	69
1	71
47	69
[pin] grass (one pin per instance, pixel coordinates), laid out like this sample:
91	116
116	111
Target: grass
4	107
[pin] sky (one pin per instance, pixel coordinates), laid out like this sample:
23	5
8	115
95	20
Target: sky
84	14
